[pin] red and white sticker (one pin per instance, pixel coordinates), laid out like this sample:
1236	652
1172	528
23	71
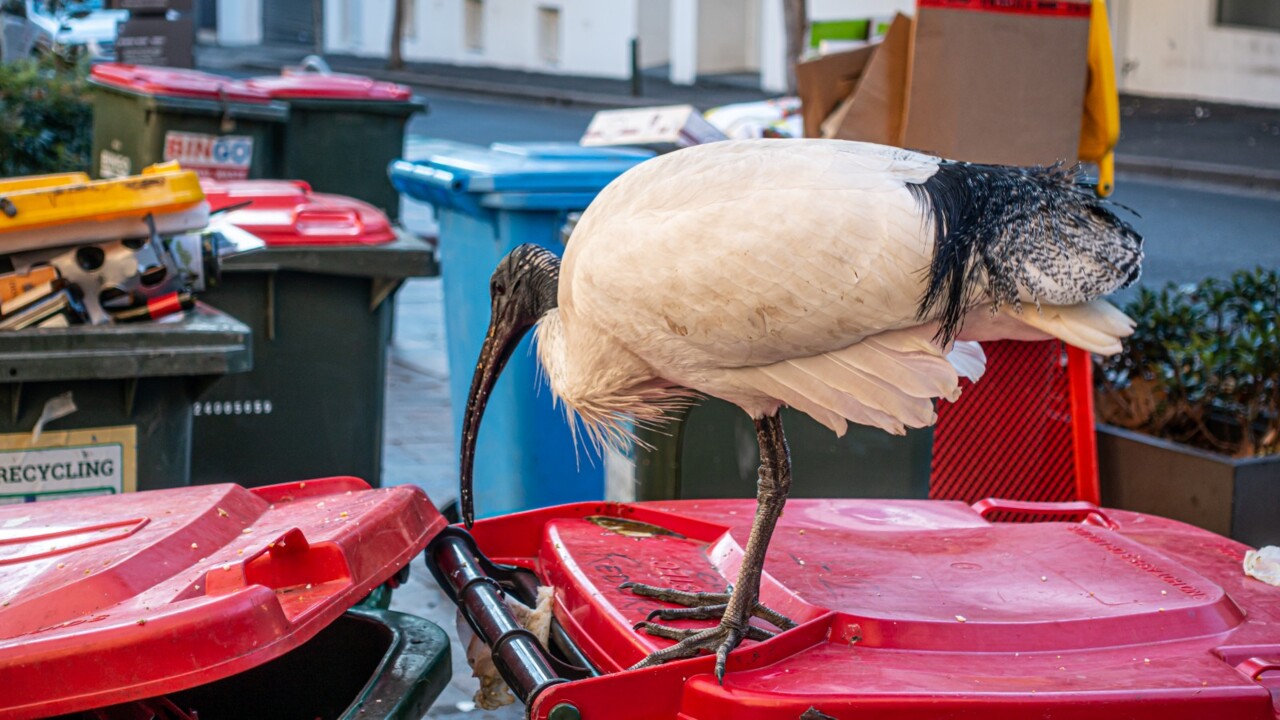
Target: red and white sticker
219	157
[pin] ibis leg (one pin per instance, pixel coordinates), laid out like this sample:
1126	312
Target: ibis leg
744	601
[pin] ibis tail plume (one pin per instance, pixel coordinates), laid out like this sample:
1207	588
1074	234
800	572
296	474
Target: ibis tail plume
849	281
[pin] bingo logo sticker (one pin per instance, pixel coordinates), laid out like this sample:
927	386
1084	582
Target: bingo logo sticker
219	157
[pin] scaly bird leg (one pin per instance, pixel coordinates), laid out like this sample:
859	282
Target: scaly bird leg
744	601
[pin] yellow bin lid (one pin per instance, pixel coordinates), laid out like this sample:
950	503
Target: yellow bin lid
31	203
35	182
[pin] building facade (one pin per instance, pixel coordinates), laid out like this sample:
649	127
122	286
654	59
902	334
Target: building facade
1220	50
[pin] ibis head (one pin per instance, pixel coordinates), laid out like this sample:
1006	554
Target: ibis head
522	289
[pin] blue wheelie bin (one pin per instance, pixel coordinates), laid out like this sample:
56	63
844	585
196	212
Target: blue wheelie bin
488	201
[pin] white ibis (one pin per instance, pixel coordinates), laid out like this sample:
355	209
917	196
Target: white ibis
846	280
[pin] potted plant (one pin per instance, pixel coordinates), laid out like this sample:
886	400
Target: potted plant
1190	411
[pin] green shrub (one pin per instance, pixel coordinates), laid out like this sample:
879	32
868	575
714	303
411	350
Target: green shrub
46	122
1202	367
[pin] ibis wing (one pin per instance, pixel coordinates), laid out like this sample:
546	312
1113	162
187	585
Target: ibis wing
745	254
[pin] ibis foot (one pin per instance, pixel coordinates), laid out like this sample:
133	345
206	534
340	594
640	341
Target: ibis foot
721	640
700	606
737	607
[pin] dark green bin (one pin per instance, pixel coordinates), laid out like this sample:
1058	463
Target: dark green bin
366	665
712	452
209	123
342	132
313	405
137	380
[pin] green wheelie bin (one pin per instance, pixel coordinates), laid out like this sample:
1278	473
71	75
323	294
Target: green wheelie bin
211	124
342	132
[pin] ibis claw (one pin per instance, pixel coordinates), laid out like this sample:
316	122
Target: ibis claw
721	639
690	642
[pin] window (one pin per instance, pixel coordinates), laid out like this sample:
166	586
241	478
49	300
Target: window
475	25
1255	14
549	35
410	11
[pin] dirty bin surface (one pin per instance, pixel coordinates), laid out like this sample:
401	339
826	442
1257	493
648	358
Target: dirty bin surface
913	610
104	601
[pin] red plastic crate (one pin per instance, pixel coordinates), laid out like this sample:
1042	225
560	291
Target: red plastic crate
1025	431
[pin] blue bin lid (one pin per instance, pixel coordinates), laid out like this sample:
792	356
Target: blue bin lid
510	175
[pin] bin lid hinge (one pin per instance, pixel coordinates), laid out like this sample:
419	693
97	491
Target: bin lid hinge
383	288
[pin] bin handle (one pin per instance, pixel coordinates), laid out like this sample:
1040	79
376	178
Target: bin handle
327	221
1084	512
1255	666
314	64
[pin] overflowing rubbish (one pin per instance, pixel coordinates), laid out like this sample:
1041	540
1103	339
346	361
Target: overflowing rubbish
1263	564
661	129
779	117
494	692
75	251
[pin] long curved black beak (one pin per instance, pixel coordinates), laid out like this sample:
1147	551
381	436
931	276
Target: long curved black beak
503	336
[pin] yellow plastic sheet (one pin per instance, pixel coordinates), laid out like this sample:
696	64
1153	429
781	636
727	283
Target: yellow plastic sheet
39	201
1100	129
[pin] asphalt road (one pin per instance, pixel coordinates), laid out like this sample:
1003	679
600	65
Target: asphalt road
1191	232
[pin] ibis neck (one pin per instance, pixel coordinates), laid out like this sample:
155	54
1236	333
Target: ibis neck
542	277
545	286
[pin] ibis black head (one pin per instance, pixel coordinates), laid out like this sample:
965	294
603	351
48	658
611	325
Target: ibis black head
522	289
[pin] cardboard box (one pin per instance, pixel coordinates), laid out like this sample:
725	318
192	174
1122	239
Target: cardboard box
823	82
874	111
661	129
998	81
155	40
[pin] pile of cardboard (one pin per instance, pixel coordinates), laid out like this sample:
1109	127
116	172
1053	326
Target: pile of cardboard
994	81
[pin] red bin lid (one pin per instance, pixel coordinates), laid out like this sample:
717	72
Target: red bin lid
174	82
112	599
912	610
329	86
287	213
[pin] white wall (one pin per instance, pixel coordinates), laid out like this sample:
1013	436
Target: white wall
1175	49
595	34
773	47
856	9
722	31
239	22
440	34
653	21
684	41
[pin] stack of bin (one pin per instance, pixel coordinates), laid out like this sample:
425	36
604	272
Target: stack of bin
320	299
101	407
298	125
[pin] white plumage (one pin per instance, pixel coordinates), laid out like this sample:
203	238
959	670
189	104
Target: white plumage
849	281
769	273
